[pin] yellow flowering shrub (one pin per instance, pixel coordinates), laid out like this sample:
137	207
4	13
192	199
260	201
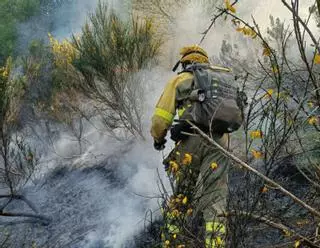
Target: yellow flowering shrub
174	167
313	120
214	166
266	51
286	233
247	31
230	7
11	92
268	94
256	154
310	104
297	244
274	69
264	189
64	52
5	70
185	200
187	159
256	134
316	59
189	211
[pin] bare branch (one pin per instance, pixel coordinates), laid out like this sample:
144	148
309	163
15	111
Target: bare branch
273	224
259	174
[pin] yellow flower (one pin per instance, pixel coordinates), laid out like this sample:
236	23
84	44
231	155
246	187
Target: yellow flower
310	104
174	236
187	159
256	134
181	246
268	94
189	211
275	69
5	73
247	31
266	51
297	244
229	6
185	200
218	241
180	196
264	189
167	242
175	213
174	166
316	59
257	154
64	52
239	29
214	166
312	120
286	233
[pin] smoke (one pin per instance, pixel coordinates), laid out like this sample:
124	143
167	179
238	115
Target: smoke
193	19
100	195
62	18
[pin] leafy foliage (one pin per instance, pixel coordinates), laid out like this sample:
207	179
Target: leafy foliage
12	12
110	52
17	158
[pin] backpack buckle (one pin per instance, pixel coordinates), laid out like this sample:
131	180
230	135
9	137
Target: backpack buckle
197	95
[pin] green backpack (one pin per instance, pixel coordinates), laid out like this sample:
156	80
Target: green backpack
213	103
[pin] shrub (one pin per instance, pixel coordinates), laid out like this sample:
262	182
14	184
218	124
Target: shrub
12	12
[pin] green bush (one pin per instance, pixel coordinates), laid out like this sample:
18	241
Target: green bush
11	13
109	53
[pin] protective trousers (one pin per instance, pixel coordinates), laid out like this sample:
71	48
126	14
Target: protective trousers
199	175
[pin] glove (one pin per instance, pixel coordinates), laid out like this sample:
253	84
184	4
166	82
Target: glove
159	146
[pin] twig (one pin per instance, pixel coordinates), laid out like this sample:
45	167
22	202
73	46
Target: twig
259	174
35	216
304	25
213	21
22	198
271	223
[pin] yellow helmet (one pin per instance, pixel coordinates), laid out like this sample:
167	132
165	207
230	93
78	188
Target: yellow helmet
191	54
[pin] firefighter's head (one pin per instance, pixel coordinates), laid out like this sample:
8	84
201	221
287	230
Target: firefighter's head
192	54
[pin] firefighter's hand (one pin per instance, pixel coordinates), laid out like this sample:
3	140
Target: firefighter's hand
159	146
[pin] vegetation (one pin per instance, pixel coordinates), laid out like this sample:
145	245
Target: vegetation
17	159
102	65
275	185
11	13
282	116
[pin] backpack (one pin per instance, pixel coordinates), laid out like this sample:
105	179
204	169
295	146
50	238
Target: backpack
213	103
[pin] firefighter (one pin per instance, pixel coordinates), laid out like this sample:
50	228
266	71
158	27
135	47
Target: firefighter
204	182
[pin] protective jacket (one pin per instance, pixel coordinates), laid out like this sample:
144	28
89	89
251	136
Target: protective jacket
175	90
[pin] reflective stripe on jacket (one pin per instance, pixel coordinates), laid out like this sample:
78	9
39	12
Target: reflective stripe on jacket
165	111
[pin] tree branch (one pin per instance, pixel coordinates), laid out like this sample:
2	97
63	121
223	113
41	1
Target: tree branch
304	24
44	219
22	198
271	223
259	174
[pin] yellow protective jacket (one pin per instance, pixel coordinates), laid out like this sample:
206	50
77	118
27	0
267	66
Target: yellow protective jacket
165	111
